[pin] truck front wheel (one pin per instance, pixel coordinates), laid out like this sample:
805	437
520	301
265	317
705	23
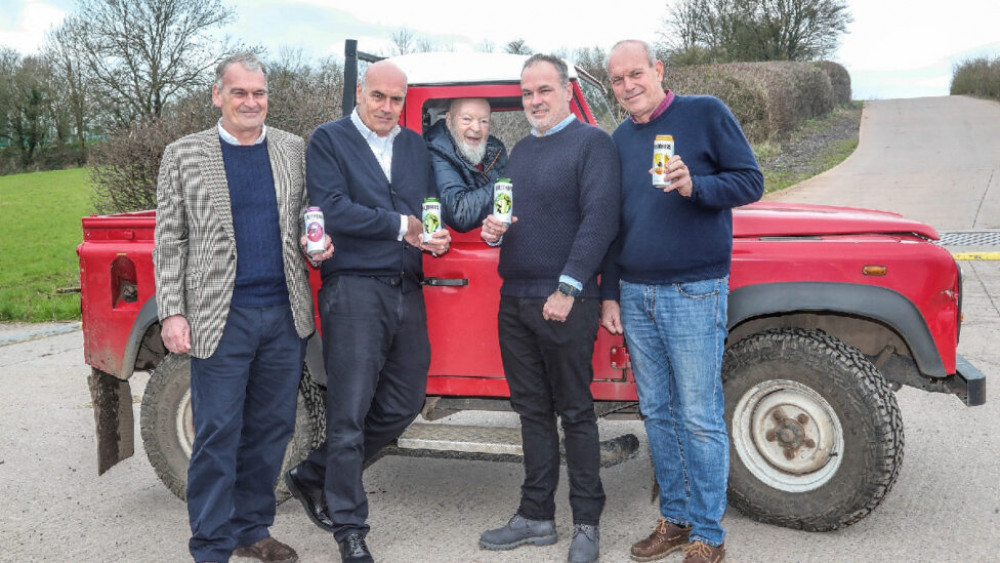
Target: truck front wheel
168	430
816	436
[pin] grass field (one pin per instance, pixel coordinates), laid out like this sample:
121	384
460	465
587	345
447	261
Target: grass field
39	231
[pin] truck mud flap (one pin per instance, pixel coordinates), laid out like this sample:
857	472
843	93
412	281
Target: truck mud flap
969	384
112	400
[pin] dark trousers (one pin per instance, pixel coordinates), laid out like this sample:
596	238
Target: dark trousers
377	353
243	402
548	368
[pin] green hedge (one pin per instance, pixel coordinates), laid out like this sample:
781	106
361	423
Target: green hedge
770	99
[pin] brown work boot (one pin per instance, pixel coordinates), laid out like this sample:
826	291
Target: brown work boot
698	552
269	550
665	539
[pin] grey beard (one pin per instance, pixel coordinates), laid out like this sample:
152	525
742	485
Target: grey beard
474	154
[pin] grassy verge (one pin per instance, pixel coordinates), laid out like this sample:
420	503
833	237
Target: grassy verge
817	146
39	231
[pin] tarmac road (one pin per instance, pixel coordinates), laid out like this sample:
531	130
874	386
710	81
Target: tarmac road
934	159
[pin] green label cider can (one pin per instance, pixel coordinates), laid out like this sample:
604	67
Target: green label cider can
503	200
431	217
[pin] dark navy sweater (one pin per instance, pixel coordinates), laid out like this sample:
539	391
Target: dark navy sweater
665	237
566	203
260	270
361	208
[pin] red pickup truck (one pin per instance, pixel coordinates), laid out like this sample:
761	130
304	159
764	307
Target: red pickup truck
830	310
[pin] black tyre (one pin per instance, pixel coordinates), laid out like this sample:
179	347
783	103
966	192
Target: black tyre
168	431
816	436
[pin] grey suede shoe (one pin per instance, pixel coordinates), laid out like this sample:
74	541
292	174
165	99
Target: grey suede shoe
519	531
586	543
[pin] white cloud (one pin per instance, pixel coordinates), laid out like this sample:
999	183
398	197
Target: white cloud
24	29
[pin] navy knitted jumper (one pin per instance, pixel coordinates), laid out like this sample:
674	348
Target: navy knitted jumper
566	200
665	237
260	271
361	208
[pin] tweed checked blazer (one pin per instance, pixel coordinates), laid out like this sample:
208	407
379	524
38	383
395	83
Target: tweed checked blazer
194	256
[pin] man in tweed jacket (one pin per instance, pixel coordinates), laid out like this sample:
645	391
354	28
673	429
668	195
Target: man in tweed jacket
233	292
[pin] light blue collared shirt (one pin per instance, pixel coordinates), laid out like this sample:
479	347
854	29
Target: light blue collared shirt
558	126
231	139
382	149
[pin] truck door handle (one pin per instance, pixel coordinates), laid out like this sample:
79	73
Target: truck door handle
446	282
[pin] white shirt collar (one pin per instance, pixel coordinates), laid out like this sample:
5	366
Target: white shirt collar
231	139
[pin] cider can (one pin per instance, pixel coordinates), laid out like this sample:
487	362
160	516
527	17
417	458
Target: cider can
663	149
431	217
314	228
503	200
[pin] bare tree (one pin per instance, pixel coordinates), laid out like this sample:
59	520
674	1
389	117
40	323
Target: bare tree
405	41
143	53
74	95
517	47
754	30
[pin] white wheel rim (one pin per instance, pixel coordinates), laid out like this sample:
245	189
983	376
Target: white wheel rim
787	435
185	424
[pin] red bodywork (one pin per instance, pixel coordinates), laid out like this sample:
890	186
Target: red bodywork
773	243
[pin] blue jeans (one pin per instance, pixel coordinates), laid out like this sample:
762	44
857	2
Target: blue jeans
675	335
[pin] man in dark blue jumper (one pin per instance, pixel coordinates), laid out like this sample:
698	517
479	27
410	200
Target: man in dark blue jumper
370	177
565	177
672	260
232	290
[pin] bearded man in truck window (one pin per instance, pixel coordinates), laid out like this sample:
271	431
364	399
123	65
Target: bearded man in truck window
467	161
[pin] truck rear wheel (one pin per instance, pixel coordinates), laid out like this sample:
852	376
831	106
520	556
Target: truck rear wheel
816	436
168	430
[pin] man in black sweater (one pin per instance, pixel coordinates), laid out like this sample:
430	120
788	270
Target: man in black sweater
566	183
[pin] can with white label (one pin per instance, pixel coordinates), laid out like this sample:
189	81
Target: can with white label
431	217
663	149
314	228
503	200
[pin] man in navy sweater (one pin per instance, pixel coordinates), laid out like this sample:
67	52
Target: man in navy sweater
671	264
370	177
566	184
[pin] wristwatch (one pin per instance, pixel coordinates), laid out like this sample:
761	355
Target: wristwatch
567	289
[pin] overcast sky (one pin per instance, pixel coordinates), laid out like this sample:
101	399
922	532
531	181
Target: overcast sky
893	49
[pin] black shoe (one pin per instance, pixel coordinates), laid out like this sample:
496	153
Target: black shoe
312	499
354	550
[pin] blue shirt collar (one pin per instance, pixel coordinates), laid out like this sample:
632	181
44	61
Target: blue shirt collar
557	128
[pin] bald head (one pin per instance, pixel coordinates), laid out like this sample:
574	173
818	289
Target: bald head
380	94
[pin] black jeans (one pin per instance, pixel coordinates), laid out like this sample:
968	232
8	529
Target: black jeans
548	368
377	353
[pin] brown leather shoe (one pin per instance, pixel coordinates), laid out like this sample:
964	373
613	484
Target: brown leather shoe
270	550
698	552
665	539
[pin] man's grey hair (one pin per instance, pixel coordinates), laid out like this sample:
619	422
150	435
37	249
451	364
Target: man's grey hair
650	53
560	65
249	61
